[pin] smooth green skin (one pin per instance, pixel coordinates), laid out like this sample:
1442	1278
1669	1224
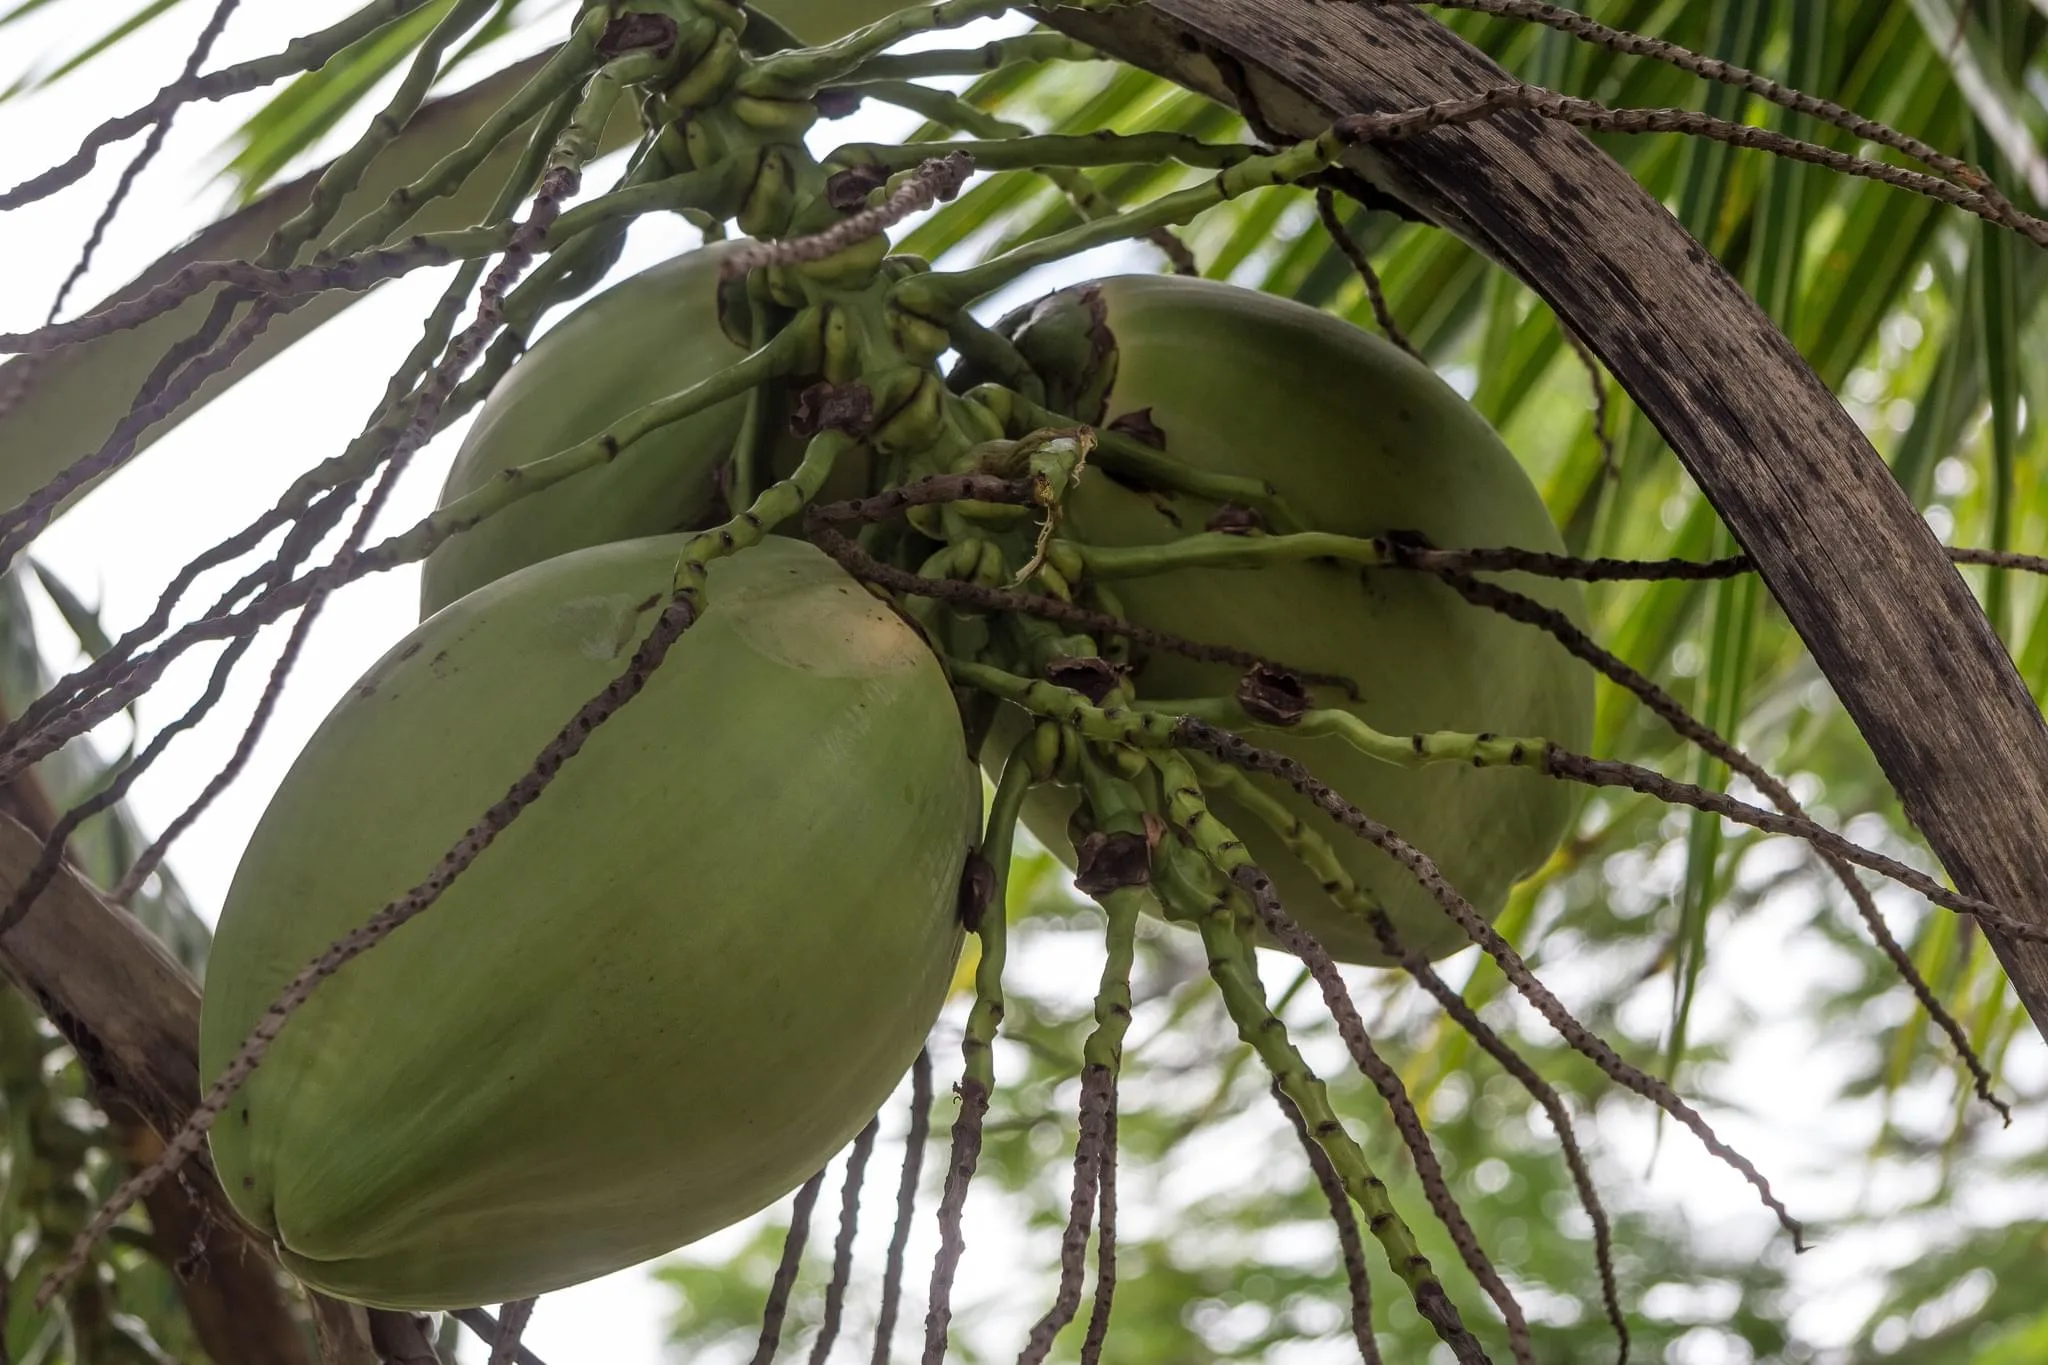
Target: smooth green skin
646	337
1361	439
667	993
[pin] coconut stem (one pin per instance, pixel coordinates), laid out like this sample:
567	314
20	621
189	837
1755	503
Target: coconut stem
778	503
1050	152
569	67
977	1044
1126	455
1317	854
801	72
973	61
1226	853
1235	973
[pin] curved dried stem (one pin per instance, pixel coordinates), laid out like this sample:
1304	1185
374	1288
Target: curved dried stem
1102	1058
977	1046
1512	1062
1594	116
1105	1241
906	1204
1341	238
1728	73
512	1320
934	181
777	1307
1235	973
301	54
842	1246
159	127
1356	1275
1321	859
213	347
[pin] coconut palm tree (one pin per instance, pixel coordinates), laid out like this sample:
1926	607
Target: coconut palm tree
1697	348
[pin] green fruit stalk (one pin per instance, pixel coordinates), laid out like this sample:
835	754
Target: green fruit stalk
823	21
1361	439
662	998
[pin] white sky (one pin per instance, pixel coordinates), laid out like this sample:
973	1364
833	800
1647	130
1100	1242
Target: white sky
228	463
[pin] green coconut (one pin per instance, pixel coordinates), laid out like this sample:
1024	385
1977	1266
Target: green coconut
1361	439
651	335
662	998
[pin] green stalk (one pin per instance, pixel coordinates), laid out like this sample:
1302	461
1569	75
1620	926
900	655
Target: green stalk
1316	853
1215	550
1050	151
1403	751
1117	725
345	172
973	61
1005	809
570	63
1126	455
710	189
1235	972
801	72
781	356
778	503
960	288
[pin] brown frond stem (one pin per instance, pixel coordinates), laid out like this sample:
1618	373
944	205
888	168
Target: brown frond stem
965	1156
1512	1062
934	181
461	353
906	1203
1289	934
1090	1145
842	1246
120	676
45	713
1546	565
146	864
167	388
1180	258
1239	752
1340	236
58	840
1105	1240
777	1307
485	1328
1602	772
512	1320
1351	1247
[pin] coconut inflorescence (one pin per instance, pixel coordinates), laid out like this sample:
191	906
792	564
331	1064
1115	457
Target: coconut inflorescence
694	967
